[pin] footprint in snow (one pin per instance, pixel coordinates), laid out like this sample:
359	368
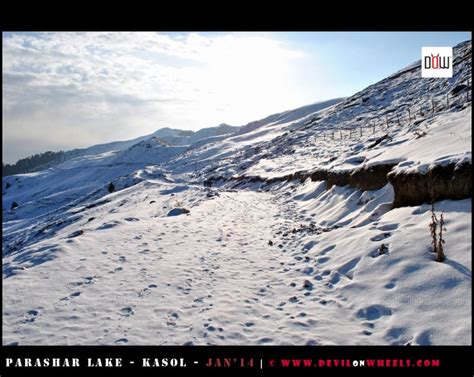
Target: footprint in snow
424	338
398	335
307	285
327	250
30	316
185	291
108	225
171	319
144	292
71	296
88	280
121	341
335	278
309	245
76	233
390	285
127	312
380	237
374	312
388	227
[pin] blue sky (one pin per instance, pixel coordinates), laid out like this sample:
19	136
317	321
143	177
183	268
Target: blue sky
70	90
372	55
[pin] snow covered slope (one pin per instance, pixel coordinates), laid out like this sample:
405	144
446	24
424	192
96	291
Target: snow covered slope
263	256
289	115
342	136
169	135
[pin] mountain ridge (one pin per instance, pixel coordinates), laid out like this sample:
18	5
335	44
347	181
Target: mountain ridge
170	135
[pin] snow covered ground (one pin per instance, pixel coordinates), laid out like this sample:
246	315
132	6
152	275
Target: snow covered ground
126	273
251	263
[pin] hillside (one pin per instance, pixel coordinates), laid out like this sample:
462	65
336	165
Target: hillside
169	135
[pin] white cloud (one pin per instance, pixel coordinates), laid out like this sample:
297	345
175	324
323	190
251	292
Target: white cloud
75	89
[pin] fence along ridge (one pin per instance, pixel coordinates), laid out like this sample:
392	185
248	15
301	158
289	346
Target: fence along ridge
421	109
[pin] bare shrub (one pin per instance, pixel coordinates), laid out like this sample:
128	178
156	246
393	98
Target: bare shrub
441	241
437	240
433	226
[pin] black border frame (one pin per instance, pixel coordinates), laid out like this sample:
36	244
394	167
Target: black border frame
294	18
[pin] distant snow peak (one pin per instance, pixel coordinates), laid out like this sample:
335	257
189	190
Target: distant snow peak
152	142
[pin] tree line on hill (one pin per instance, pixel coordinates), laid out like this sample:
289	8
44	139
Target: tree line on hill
33	163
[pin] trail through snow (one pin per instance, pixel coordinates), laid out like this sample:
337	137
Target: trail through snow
211	277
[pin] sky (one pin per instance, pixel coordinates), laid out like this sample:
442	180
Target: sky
71	90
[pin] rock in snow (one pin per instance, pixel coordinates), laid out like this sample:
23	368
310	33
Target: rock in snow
178	211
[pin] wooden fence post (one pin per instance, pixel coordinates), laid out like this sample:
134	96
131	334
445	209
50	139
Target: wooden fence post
373	126
360	131
340	133
409	115
386	122
447	101
432	104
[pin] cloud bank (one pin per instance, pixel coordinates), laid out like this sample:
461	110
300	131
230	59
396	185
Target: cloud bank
65	90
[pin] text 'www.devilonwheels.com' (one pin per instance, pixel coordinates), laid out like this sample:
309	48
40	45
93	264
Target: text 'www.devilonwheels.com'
345	363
